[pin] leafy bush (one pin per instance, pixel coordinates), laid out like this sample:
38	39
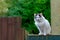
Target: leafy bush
26	10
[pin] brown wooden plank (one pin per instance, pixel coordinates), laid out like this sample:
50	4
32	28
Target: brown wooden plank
0	29
11	29
20	34
4	28
15	22
20	31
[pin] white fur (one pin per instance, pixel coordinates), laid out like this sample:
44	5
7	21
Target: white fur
43	26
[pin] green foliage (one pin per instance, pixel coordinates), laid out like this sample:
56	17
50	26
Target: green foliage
26	10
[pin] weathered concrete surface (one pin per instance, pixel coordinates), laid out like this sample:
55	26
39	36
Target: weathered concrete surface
55	17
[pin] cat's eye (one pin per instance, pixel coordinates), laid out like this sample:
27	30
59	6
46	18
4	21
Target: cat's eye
39	15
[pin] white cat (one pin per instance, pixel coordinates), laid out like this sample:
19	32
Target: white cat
42	24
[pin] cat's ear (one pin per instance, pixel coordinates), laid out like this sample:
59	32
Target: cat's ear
34	14
41	14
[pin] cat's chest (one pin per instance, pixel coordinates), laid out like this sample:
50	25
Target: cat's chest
39	24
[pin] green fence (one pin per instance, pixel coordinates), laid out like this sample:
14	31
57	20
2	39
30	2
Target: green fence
41	37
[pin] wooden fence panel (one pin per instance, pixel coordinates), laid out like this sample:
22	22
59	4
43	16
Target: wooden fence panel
4	28
10	28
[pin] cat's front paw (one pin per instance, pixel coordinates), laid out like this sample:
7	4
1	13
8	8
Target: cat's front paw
45	34
40	34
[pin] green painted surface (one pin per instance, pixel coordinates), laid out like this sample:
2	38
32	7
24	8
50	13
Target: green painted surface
48	37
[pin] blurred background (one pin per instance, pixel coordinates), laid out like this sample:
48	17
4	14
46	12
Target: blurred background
26	9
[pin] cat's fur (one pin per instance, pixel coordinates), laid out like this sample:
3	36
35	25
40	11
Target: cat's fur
42	24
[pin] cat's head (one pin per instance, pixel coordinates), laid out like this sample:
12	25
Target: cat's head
38	17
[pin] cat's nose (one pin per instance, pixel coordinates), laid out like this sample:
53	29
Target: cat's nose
37	18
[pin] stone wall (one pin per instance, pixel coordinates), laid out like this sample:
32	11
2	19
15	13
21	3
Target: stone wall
55	17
